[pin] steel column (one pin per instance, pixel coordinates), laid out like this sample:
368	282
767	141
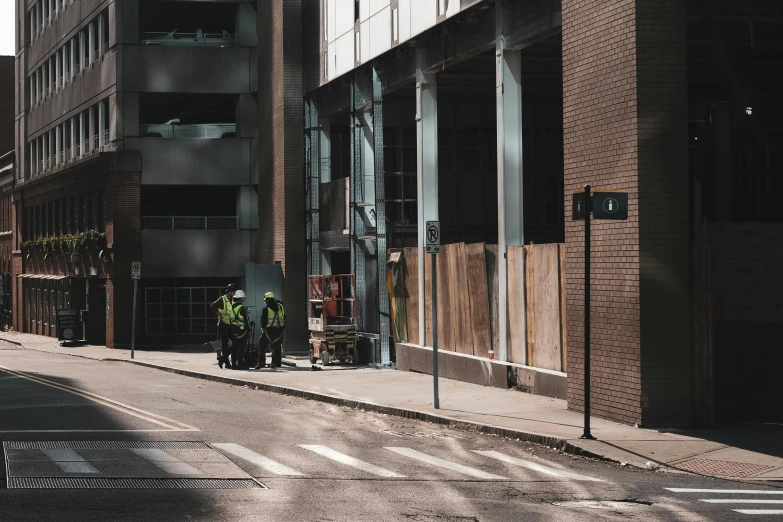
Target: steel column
508	68
380	217
357	197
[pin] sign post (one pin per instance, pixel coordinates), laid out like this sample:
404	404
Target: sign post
135	275
433	247
602	205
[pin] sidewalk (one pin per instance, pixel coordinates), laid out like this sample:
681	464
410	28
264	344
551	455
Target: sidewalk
739	453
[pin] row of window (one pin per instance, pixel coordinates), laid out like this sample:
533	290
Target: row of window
180	311
70	215
77	136
43	14
71	58
5	214
42	299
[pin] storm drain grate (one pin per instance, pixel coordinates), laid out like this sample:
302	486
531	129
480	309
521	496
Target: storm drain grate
130	483
722	468
103	444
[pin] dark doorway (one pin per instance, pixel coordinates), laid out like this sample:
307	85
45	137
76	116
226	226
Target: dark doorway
96	306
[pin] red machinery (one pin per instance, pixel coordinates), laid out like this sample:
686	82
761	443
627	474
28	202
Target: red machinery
332	318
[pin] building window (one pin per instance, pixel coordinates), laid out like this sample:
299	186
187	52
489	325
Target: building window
180	310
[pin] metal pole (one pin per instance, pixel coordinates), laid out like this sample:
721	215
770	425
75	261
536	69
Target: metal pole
588	212
133	322
435	330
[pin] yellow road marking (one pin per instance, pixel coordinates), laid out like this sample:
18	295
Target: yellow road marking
129	410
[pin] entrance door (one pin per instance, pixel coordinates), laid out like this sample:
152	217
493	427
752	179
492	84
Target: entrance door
96	305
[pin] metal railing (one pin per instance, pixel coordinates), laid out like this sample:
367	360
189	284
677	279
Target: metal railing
189	39
106	137
190	223
86	147
194	131
97	140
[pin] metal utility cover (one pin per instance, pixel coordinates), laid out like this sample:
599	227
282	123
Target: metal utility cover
121	465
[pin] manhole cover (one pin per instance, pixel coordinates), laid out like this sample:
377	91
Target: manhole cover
121	465
722	468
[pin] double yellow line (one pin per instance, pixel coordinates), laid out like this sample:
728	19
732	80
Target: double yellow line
154	418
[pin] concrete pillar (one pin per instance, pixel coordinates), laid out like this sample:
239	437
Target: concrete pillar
32	90
45	151
91	128
82	135
72	123
58	144
49	76
91	31
101	36
58	68
32	25
101	123
32	158
508	97
82	61
72	49
426	171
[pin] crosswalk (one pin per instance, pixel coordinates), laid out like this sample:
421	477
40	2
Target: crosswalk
740	498
430	462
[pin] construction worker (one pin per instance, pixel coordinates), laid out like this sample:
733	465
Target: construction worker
273	323
222	308
239	329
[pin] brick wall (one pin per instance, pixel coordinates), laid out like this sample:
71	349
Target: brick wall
623	106
123	233
280	156
7	91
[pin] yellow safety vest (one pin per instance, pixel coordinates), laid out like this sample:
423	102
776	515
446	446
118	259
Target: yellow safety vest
226	310
237	322
275	319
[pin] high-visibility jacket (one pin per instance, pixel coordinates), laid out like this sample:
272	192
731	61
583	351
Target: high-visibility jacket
226	309
274	319
238	320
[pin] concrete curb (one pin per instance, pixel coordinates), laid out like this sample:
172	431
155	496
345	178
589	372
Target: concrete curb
489	429
9	341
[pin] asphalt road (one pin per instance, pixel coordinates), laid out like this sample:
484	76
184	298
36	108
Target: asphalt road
316	462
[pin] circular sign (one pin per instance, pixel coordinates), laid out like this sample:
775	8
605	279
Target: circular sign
68	333
611	205
432	234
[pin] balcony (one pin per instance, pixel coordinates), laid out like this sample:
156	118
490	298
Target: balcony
190	223
198	39
174	129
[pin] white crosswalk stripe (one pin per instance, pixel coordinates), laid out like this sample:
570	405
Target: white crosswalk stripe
446	464
534	466
69	461
259	460
350	461
738	501
727	491
168	463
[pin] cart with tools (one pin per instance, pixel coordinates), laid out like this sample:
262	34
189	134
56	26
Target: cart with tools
332	319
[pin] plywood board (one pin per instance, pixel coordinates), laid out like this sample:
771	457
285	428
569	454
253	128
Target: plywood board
410	258
461	321
446	331
491	253
543	306
563	323
516	304
476	261
427	300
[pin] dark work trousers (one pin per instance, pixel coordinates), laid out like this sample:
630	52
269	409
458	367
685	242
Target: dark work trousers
238	351
273	335
225	334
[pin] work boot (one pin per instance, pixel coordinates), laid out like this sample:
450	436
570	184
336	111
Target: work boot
220	362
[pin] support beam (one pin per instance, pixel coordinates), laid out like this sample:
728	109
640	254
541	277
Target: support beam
82	43
357	196
82	135
325	174
58	144
511	231
380	217
426	170
72	123
72	49
91	30
101	36
312	164
101	123
91	128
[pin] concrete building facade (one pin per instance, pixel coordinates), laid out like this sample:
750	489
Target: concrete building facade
135	133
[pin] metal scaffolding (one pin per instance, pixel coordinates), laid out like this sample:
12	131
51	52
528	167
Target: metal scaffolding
313	179
357	232
380	217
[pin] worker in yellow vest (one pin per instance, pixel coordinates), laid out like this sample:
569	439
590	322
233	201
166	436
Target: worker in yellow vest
222	308
239	329
273	323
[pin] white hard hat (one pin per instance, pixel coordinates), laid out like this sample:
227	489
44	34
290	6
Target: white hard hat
239	294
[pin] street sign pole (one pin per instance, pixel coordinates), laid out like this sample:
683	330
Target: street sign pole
588	210
133	322
136	275
432	237
434	259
